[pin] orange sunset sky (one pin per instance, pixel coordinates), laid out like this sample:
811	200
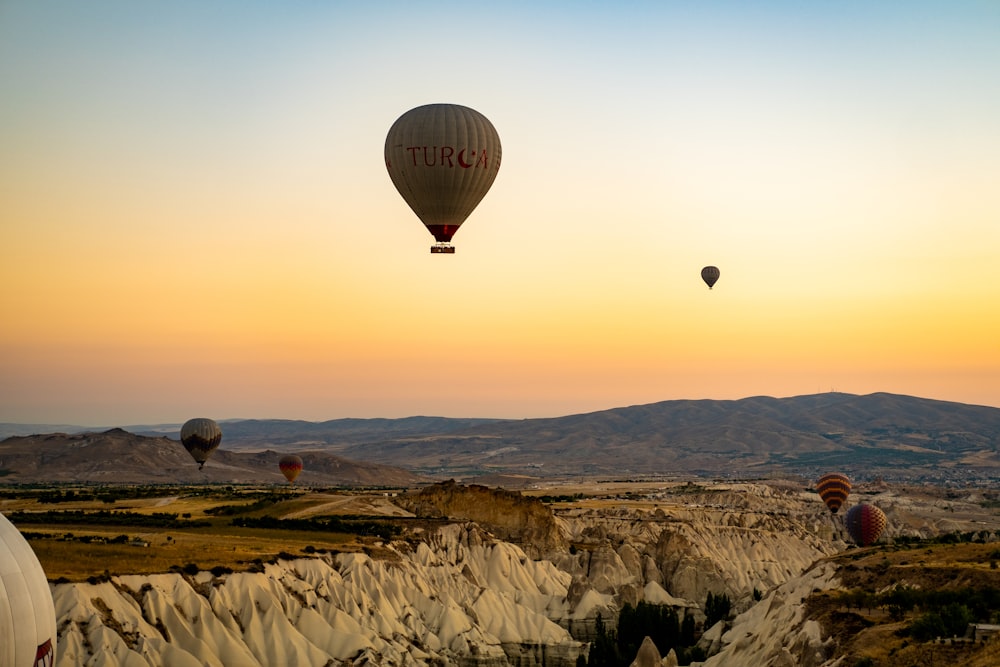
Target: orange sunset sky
196	219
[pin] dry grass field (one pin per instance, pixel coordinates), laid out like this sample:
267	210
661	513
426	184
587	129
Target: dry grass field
874	635
224	546
81	550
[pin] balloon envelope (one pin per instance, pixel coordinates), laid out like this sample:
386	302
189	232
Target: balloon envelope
291	466
442	158
833	488
865	524
27	615
710	274
201	437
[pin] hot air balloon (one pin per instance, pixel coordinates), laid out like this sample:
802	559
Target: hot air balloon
200	437
865	524
710	274
27	615
291	466
833	488
442	158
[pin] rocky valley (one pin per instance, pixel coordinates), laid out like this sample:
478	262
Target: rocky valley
491	577
545	532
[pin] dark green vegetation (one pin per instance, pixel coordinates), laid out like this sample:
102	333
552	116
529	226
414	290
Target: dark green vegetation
561	498
939	613
717	608
104	518
662	624
331	524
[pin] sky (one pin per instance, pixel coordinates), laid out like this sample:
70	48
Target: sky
196	219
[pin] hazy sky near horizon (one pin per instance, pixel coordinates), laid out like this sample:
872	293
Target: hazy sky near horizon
197	219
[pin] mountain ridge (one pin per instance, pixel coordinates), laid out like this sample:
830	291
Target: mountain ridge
117	456
879	434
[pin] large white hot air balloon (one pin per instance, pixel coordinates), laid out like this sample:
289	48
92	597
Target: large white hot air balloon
27	615
442	158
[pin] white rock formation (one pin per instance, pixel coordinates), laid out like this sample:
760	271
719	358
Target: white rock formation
457	595
648	655
458	599
773	632
755	539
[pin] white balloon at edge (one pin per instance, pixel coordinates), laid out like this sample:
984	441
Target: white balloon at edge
27	615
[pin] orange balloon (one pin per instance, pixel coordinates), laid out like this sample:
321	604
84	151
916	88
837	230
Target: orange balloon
833	488
291	466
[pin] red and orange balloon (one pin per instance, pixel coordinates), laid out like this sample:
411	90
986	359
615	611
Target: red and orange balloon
865	524
833	488
291	466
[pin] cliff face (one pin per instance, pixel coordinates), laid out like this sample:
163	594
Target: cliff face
749	537
507	514
774	631
454	594
458	599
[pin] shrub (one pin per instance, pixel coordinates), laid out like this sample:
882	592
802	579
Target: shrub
717	608
956	617
692	654
927	627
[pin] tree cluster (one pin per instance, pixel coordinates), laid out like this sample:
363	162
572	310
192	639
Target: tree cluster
943	613
104	518
661	623
381	529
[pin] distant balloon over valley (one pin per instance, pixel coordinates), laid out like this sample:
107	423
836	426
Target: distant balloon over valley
865	524
833	488
290	466
201	436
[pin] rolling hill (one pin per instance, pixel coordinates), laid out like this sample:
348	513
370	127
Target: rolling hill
876	435
117	456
